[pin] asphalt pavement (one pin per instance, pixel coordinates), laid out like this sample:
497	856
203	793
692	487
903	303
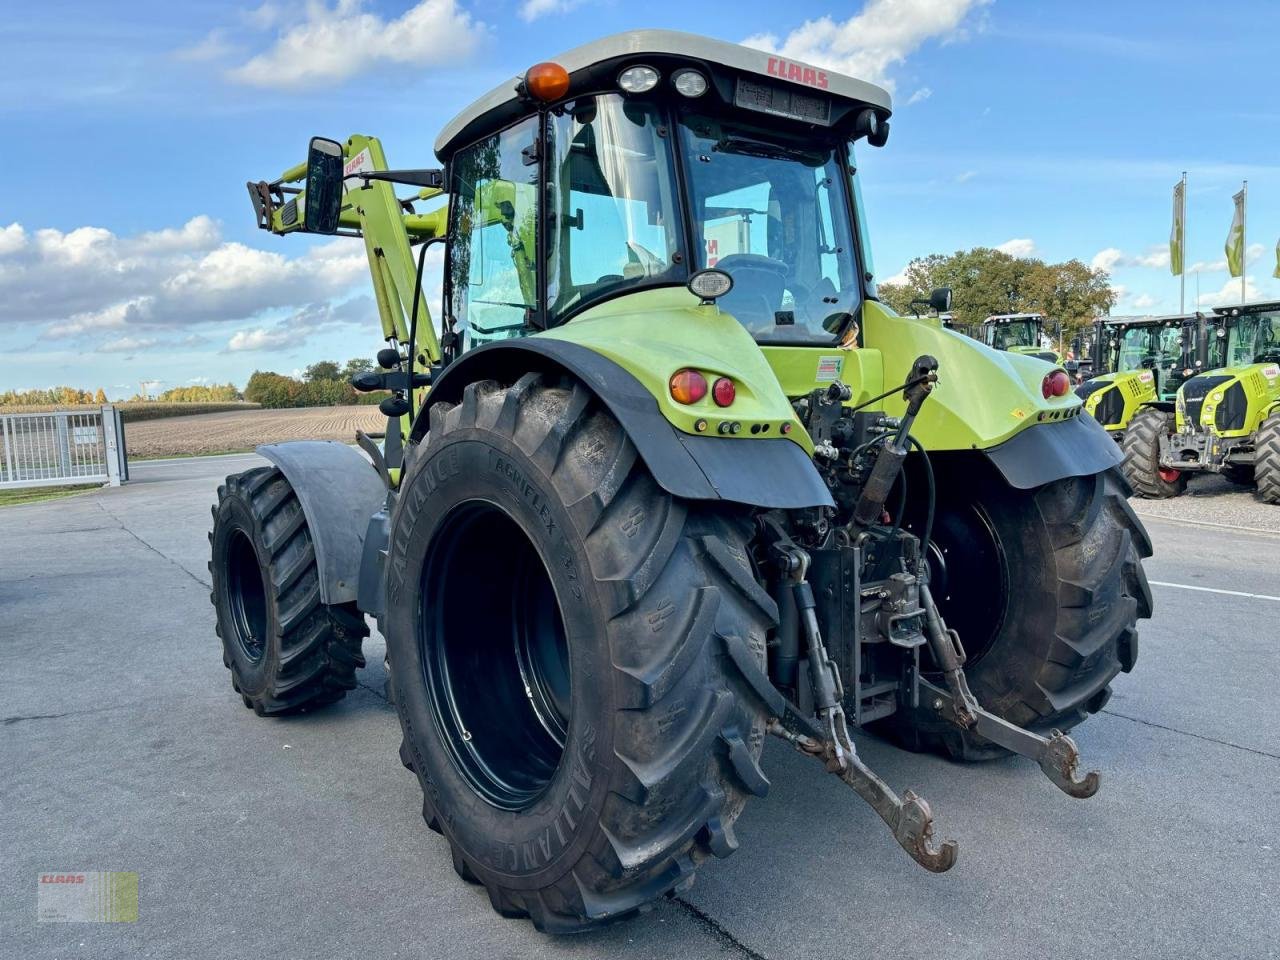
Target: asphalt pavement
124	748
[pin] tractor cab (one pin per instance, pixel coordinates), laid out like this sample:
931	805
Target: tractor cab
1019	333
633	163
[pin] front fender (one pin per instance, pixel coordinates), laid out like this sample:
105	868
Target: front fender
339	491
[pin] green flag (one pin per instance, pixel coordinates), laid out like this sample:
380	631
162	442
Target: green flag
1235	238
1176	234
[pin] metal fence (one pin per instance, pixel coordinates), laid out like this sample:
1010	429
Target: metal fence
53	449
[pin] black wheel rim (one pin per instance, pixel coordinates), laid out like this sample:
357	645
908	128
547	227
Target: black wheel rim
495	655
968	576
246	597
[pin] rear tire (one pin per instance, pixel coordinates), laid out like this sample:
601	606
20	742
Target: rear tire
573	654
1066	561
1266	468
287	652
1141	449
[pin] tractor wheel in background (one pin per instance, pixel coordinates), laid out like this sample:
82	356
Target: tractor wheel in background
287	652
1044	587
1141	449
1239	474
1266	468
577	657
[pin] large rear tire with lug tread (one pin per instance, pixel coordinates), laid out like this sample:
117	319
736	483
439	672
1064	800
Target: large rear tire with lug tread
1266	470
1062	566
287	651
574	654
1141	449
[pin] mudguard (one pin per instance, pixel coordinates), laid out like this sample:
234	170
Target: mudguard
339	491
772	473
1046	452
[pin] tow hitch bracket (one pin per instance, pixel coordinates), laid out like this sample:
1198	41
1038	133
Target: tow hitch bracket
1056	754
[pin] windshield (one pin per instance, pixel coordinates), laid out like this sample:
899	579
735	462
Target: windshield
611	202
1014	333
1150	347
1254	338
777	220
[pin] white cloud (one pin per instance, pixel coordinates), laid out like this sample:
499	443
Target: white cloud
1251	255
1143	301
259	339
964	176
1230	293
531	10
1018	247
1112	257
924	93
214	46
127	344
333	44
90	280
882	35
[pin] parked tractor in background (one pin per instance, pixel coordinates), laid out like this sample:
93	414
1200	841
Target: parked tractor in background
1225	419
1022	333
634	511
1143	361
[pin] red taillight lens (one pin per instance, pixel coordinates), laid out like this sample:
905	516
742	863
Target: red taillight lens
688	386
723	392
1055	384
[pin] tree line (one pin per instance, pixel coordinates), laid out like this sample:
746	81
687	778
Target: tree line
984	282
324	383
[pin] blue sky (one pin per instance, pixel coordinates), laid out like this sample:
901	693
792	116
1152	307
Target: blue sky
128	251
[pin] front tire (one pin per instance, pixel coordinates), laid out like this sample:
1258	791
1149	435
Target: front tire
1266	469
287	651
572	652
1141	449
1045	588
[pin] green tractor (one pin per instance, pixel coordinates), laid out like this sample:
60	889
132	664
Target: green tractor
1225	420
1143	361
668	479
1022	333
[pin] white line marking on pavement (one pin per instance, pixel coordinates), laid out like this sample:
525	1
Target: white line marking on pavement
1146	517
1229	593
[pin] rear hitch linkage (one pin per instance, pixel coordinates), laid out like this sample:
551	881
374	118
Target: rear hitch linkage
1057	754
908	816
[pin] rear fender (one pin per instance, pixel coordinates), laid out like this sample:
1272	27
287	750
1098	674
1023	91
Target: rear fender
339	491
770	473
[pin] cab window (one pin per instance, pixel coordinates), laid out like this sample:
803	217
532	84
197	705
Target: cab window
493	236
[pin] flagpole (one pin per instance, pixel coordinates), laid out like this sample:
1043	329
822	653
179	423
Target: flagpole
1182	274
1244	240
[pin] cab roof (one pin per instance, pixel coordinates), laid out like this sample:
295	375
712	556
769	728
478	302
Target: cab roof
1011	317
1258	306
1149	320
504	103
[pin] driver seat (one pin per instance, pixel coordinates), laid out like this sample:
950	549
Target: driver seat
758	285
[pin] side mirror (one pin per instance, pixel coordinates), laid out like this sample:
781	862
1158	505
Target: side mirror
324	186
940	299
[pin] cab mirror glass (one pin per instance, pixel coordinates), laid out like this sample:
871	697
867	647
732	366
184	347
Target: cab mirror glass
324	186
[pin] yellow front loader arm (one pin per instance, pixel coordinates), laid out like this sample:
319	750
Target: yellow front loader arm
389	226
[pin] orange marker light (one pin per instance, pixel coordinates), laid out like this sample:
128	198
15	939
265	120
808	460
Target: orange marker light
688	386
547	81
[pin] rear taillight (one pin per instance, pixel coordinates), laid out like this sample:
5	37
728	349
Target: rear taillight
723	392
687	386
1055	384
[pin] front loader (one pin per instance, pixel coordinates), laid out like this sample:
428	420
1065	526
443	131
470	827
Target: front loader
1143	360
670	479
1225	419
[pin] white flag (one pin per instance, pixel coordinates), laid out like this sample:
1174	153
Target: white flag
1176	234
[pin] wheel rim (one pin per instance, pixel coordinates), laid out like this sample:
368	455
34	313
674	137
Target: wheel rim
247	597
967	573
495	656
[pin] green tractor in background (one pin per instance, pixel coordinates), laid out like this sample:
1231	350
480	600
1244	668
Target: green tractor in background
1225	420
665	479
1142	361
1022	333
